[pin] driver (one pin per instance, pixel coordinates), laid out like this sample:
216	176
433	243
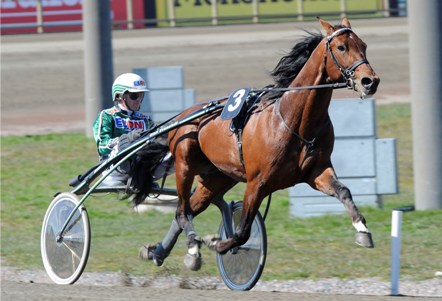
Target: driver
115	128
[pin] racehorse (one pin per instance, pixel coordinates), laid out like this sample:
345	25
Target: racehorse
288	139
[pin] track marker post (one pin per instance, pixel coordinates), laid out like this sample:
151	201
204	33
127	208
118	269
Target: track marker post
396	233
396	223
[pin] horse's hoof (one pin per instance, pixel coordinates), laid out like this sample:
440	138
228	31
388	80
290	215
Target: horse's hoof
364	239
211	240
147	253
223	246
193	262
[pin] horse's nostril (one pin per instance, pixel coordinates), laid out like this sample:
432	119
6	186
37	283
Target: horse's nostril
367	82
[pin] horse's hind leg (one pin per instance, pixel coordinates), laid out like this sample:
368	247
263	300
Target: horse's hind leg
159	252
209	189
328	183
182	221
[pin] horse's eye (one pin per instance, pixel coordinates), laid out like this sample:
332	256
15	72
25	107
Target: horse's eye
341	48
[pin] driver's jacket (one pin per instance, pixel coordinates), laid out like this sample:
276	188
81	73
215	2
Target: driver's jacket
110	124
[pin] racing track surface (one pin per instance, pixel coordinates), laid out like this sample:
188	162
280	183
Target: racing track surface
42	91
18	291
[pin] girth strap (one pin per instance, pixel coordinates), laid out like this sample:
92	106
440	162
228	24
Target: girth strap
239	122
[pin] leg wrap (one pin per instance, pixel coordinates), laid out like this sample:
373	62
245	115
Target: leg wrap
190	233
165	247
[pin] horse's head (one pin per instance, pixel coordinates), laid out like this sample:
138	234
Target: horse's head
346	58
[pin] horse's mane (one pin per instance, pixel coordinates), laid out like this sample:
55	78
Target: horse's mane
291	64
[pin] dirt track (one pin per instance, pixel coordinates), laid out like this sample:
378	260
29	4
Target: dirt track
42	86
42	91
17	291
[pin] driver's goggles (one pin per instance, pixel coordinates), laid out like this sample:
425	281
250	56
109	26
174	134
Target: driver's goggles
136	95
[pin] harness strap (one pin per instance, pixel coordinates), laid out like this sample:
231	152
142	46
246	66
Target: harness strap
239	135
309	143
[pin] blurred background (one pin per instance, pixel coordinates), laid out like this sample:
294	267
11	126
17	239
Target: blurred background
220	45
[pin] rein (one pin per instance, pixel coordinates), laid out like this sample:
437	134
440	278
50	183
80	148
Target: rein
308	143
324	86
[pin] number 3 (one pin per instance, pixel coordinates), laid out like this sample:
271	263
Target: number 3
237	97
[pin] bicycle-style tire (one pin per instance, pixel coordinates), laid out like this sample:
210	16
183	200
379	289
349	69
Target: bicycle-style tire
242	267
65	261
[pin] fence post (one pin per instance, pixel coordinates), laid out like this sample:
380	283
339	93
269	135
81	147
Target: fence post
39	11
214	12
300	10
98	63
386	8
171	11
255	11
343	8
129	14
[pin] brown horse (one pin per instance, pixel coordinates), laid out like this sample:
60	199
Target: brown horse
288	139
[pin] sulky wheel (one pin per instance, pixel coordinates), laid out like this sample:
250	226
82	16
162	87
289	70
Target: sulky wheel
64	258
241	267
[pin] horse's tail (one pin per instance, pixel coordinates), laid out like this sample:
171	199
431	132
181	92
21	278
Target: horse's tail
141	172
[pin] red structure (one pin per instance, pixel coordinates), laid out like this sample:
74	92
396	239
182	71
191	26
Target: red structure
20	16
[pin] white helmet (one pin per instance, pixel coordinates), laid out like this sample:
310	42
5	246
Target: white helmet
128	82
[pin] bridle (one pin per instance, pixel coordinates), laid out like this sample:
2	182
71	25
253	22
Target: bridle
349	72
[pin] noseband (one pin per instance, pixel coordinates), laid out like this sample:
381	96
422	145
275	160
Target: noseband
349	72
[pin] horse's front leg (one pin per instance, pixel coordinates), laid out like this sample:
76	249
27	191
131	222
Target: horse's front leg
328	183
251	202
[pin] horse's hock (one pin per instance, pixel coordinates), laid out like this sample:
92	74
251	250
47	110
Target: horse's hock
365	164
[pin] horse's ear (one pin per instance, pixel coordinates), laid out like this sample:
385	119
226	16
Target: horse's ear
327	27
345	22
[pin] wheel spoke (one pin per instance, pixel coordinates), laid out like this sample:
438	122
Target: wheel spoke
74	254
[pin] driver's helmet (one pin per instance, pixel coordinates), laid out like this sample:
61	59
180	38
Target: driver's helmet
128	82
